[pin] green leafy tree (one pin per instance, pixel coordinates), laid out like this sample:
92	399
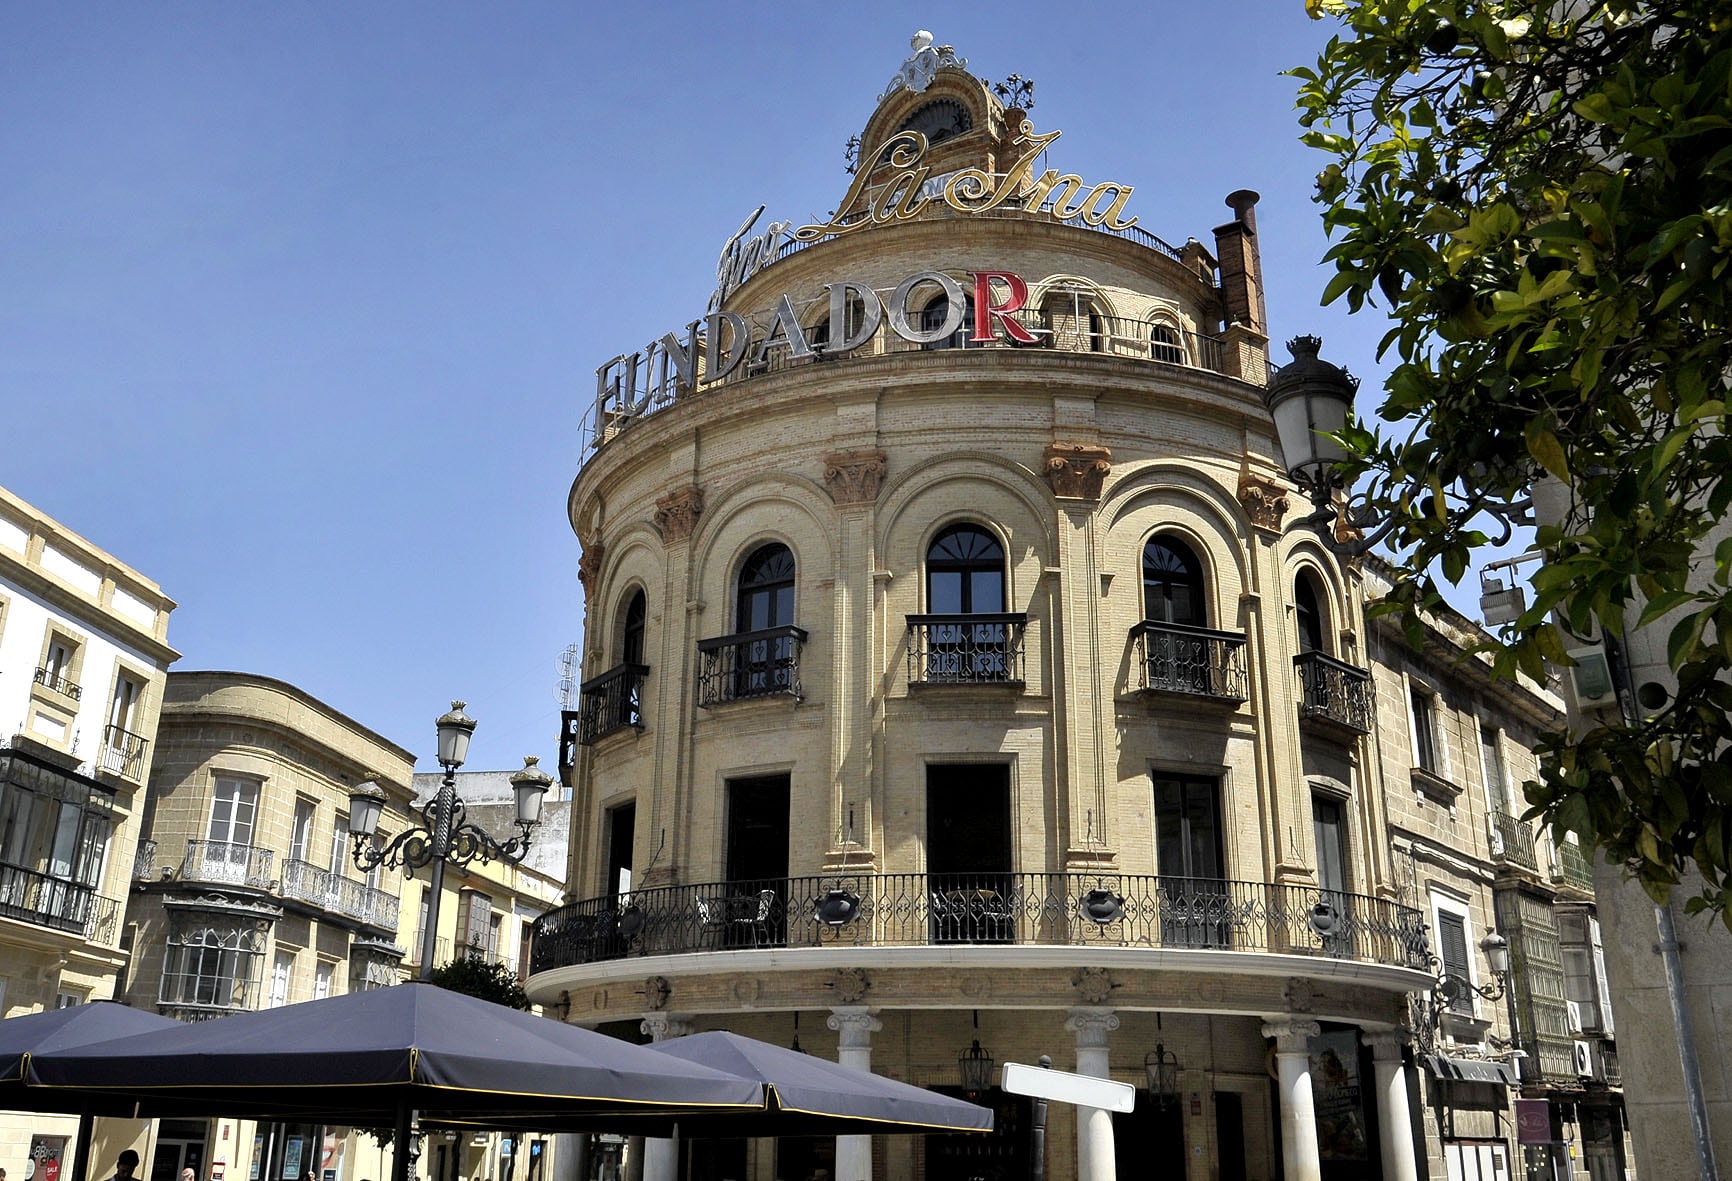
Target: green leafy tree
1539	192
476	975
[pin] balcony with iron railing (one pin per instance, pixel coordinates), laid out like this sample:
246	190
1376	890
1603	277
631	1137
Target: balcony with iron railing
762	663
611	702
1513	841
32	896
144	861
123	752
985	909
982	649
1196	662
1333	692
50	679
332	892
228	864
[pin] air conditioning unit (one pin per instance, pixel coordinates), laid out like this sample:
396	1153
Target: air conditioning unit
1587	1061
1575	1018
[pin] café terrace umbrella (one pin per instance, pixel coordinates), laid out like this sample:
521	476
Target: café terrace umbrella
375	1058
804	1096
58	1029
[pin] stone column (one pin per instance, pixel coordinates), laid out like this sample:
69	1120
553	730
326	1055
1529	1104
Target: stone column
1399	1161
1298	1106
854	1026
1094	1126
661	1158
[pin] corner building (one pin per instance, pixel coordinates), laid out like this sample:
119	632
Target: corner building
952	695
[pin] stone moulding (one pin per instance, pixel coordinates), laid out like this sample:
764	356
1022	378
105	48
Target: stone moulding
589	564
1076	471
854	477
677	513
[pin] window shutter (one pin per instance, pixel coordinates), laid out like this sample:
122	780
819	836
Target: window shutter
1452	949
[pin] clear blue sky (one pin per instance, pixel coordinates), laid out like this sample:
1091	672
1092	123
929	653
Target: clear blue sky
302	302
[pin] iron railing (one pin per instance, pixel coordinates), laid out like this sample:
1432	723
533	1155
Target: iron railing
227	863
1334	691
331	891
441	950
123	752
47	901
49	679
1513	841
750	664
144	861
1196	661
984	649
915	910
611	702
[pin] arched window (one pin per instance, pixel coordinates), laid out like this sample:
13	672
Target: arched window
1172	583
1307	614
631	647
766	589
1165	344
932	318
965	572
765	601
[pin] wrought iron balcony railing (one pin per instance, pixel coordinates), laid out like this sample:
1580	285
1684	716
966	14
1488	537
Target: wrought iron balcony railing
123	752
1513	841
611	702
984	649
1333	690
1195	661
144	861
228	864
49	679
36	897
751	664
333	892
916	910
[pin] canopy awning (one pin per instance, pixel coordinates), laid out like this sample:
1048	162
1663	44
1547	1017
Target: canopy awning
1470	1070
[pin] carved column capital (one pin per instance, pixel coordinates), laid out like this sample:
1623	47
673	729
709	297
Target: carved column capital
1077	470
1091	1026
854	1026
854	477
1385	1044
1265	500
677	513
662	1026
1291	1034
589	564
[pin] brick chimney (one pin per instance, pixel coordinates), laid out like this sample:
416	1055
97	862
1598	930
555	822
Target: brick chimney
1241	266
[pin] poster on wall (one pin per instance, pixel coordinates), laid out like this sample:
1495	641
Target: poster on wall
43	1163
1336	1092
292	1159
331	1154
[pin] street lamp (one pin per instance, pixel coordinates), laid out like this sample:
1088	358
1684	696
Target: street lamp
1449	988
445	834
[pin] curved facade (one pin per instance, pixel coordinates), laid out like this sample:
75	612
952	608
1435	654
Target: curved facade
958	681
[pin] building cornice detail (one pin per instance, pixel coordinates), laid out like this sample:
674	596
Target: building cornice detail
1076	471
1264	499
677	513
854	477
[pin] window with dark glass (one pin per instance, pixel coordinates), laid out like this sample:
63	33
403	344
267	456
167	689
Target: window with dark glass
1164	345
765	601
1172	583
933	316
965	576
632	638
1452	950
1307	614
1425	752
1188	858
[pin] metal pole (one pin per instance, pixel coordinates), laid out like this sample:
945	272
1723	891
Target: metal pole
400	1144
1037	1137
439	847
1687	1063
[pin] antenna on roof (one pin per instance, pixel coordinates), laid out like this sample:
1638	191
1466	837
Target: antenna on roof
570	662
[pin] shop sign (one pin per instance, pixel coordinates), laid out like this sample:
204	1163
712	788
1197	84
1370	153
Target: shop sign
634	385
1533	1121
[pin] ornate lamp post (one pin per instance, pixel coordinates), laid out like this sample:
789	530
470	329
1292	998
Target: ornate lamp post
445	835
1450	988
